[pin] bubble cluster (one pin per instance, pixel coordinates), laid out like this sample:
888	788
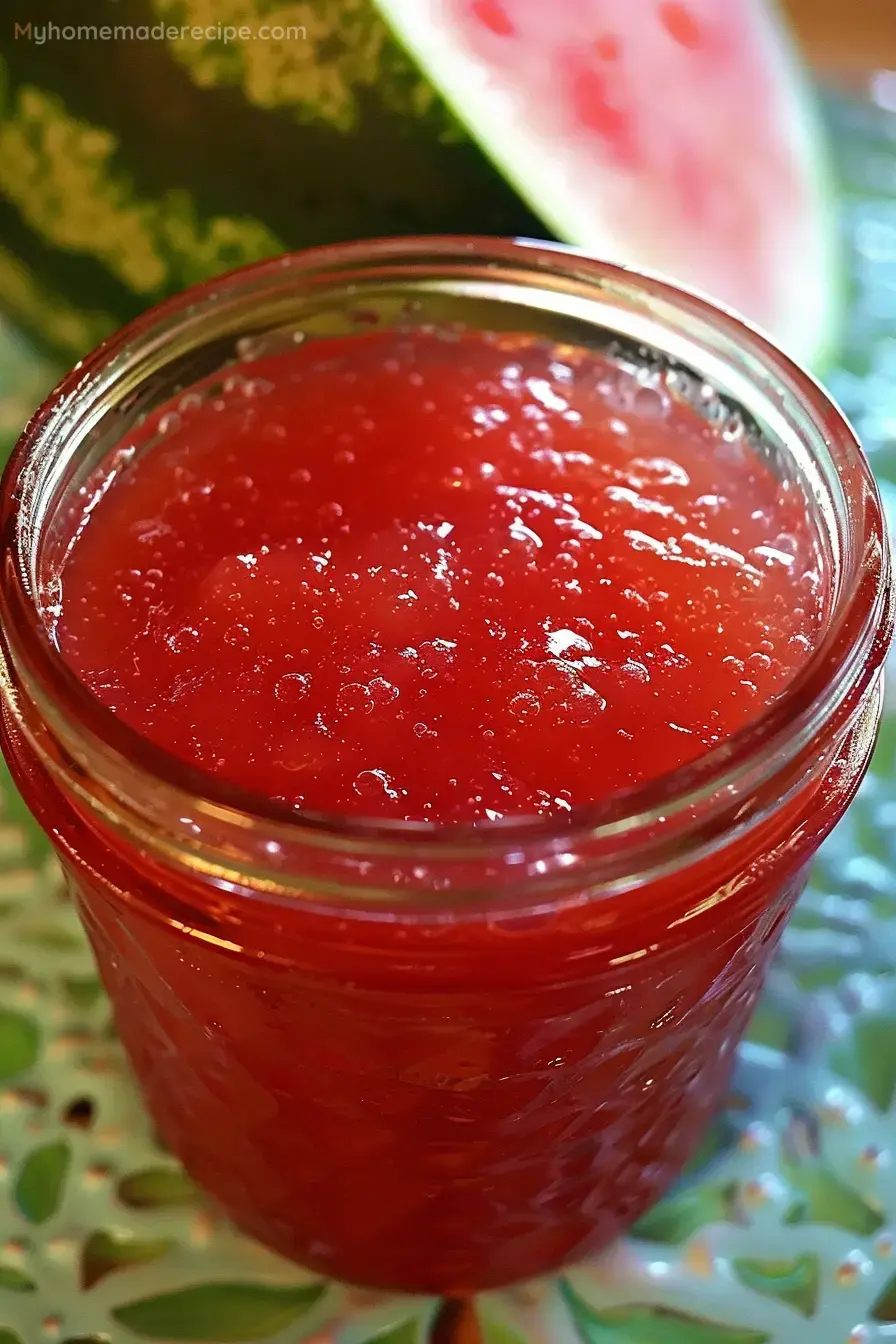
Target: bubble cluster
441	579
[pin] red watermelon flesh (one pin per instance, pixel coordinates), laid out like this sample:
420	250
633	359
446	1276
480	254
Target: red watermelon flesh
675	135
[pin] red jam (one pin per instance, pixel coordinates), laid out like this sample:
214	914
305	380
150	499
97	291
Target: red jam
440	579
444	577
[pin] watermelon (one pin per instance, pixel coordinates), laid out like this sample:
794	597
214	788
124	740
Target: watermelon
138	154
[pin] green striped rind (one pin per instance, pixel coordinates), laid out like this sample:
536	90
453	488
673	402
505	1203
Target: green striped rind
60	174
131	169
333	56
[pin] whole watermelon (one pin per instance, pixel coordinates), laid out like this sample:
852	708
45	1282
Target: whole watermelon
132	168
147	144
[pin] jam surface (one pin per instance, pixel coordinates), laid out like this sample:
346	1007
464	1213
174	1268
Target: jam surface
439	576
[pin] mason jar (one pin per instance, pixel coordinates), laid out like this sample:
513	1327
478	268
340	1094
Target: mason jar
408	1055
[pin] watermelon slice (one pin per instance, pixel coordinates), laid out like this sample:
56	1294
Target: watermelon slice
674	135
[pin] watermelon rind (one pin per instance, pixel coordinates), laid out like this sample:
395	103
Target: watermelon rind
808	316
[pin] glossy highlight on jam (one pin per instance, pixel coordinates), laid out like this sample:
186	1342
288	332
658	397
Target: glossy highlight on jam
440	577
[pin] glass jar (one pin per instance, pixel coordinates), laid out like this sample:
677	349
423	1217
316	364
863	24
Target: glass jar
422	1058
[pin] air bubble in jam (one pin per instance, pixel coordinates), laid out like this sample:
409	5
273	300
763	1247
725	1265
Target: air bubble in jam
292	687
238	636
170	422
383	691
651	402
354	698
181	640
525	706
501	578
370	784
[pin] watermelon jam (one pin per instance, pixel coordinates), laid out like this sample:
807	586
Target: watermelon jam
567	615
440	579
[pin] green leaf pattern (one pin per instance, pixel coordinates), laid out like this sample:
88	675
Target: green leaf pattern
222	1313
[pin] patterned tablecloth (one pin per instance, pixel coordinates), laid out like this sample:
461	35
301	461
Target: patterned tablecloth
784	1229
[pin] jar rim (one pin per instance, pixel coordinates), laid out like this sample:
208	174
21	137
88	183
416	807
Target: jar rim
846	661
